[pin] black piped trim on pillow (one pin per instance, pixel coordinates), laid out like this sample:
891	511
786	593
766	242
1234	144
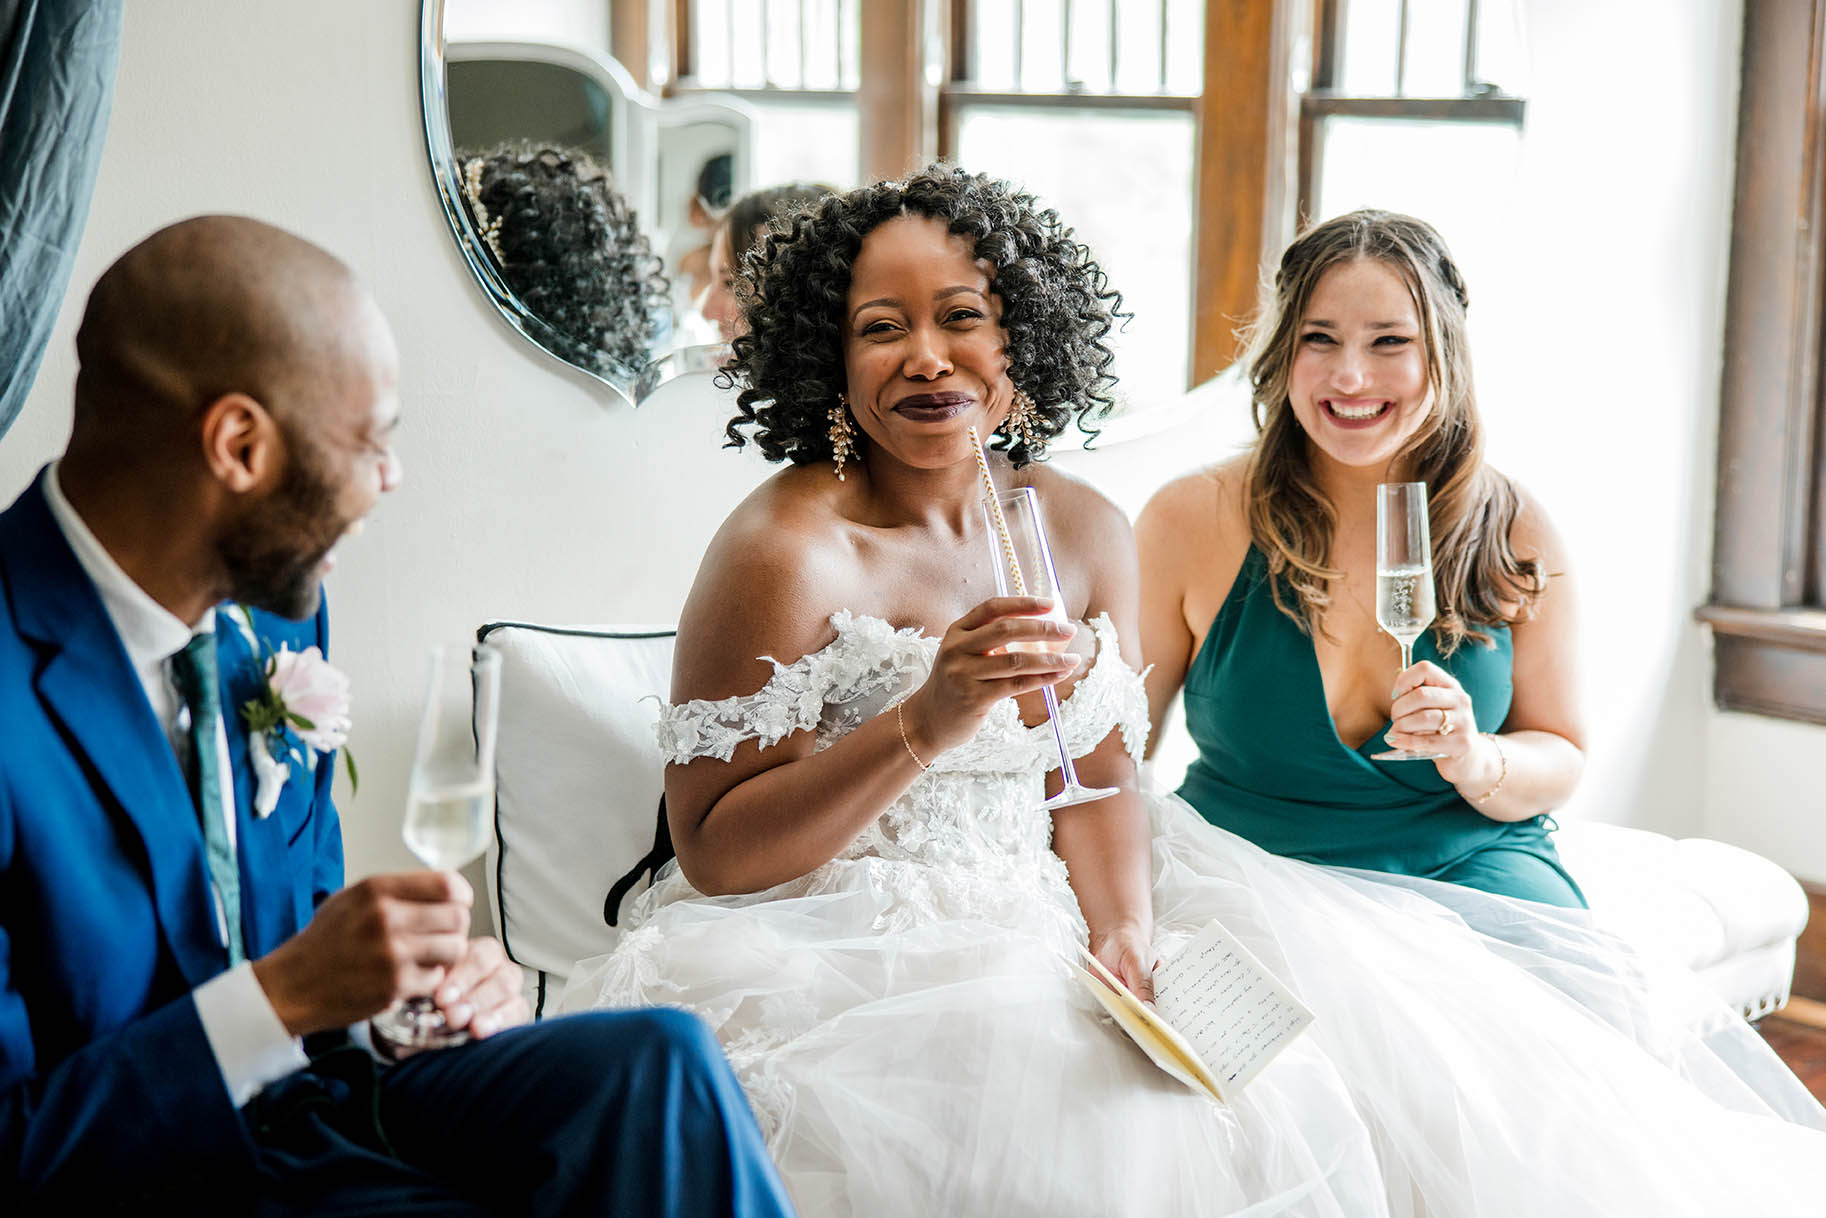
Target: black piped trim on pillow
650	863
482	634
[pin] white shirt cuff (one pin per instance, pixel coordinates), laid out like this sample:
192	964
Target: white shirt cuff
251	1045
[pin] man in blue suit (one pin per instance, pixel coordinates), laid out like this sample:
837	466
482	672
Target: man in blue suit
178	971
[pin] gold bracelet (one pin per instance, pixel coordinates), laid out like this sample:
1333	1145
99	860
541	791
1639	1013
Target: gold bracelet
1500	774
901	722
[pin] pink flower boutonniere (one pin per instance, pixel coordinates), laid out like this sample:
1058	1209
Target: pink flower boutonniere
303	711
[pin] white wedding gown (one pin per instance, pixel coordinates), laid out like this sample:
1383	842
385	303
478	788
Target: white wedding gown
907	1030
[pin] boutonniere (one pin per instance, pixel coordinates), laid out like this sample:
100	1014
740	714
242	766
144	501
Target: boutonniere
303	701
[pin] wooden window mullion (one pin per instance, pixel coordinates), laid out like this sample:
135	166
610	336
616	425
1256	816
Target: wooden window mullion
1245	119
898	110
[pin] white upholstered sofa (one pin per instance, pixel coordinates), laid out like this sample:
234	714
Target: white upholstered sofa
579	782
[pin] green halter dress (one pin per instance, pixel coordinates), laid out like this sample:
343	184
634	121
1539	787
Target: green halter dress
1272	769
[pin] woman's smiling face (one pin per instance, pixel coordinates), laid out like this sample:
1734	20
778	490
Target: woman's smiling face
924	351
1359	384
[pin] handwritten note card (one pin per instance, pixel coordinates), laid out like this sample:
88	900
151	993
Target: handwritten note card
1233	1011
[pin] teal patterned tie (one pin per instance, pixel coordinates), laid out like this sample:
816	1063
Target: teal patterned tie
196	674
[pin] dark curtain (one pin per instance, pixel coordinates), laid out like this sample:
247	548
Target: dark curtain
57	60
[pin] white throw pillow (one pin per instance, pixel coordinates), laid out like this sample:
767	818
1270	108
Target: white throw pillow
578	777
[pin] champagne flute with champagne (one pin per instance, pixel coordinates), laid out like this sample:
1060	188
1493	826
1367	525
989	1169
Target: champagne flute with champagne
1024	567
448	799
1404	577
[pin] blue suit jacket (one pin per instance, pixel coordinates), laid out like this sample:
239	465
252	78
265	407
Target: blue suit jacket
106	919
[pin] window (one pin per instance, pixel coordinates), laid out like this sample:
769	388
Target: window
1768	606
1429	85
1078	99
796	63
1093	106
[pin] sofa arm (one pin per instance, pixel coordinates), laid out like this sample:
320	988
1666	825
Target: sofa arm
1729	915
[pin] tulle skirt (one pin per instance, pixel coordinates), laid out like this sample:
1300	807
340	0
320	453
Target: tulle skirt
914	1044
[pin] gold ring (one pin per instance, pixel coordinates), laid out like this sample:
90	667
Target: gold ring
1445	724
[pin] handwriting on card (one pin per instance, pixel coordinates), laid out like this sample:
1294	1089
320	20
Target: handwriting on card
1229	1007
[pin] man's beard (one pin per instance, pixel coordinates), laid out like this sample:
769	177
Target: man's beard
272	556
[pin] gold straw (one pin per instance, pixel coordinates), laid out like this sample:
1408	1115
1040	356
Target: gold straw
995	509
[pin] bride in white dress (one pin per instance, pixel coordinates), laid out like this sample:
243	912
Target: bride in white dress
874	913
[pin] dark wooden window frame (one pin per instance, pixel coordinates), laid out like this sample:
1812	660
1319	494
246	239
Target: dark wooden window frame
1480	102
1244	181
1241	205
896	109
1767	608
876	19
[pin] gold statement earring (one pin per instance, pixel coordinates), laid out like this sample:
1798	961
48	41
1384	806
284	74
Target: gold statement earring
841	433
1023	422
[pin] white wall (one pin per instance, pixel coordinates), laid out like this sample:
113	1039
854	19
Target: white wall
583	23
1615	411
529	495
1766	789
1603	393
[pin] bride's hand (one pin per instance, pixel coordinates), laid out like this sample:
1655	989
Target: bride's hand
1128	952
982	660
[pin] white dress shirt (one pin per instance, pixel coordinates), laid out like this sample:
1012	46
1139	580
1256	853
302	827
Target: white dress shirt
250	1043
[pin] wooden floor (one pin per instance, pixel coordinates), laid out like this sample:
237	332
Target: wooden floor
1798	1035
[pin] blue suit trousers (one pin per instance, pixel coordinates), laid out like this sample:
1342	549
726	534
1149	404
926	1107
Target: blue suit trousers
615	1112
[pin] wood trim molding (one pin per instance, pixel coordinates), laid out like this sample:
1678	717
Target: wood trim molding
965	95
1800	629
1324	104
1770	390
960	69
898	108
631	37
1769	530
1244	176
1327	51
1810	951
684	44
1765	678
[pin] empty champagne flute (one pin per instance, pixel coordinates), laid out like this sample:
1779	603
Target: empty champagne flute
1024	567
447	802
1404	577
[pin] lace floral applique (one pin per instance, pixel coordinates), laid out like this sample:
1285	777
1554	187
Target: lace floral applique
867	659
1111	695
634	968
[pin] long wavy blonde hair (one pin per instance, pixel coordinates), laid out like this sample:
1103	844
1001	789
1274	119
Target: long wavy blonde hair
1480	579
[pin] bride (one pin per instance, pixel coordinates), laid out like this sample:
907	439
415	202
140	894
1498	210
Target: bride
874	913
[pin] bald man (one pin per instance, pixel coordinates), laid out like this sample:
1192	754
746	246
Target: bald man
178	972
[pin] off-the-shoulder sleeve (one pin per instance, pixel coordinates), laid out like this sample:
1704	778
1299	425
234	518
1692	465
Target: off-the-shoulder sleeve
1111	695
703	728
867	657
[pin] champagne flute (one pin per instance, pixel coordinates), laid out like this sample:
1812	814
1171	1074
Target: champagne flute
447	801
1404	577
1024	567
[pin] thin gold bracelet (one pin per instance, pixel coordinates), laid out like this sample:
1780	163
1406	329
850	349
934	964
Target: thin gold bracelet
901	723
1501	774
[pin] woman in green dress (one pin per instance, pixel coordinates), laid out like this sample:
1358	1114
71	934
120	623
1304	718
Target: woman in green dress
1259	587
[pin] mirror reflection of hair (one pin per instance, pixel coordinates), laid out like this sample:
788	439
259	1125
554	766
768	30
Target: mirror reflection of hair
572	250
743	226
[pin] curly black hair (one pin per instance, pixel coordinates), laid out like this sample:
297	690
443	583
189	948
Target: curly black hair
1057	307
571	249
